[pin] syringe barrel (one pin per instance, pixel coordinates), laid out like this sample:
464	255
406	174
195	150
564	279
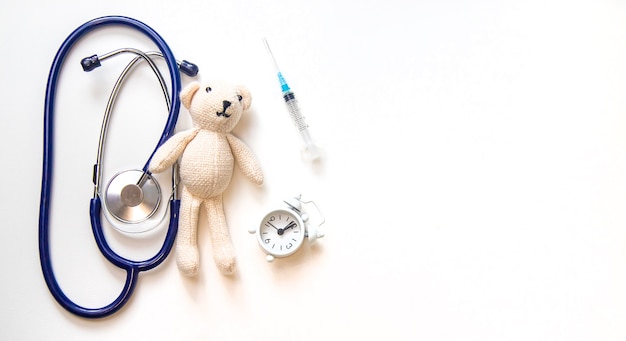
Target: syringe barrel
294	111
309	151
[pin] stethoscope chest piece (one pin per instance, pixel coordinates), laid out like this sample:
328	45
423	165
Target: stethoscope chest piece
132	196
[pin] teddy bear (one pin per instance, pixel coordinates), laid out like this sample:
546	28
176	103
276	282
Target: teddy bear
208	153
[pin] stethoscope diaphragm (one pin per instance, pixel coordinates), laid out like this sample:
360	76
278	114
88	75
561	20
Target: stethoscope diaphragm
132	196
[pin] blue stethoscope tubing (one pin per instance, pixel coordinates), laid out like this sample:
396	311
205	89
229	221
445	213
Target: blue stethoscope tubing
132	268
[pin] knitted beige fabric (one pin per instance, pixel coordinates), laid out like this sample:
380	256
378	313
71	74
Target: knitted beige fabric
208	154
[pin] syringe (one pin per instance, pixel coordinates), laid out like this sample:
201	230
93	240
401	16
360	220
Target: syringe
310	151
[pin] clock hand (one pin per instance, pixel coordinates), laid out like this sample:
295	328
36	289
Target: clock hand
280	231
291	225
284	229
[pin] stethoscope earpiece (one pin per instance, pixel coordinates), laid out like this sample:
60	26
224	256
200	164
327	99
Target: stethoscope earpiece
90	63
93	62
188	68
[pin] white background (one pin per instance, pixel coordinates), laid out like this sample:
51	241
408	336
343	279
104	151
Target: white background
474	181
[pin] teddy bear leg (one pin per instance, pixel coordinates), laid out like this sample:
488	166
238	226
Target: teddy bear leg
223	249
187	256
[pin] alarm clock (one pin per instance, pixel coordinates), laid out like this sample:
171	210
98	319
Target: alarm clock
282	231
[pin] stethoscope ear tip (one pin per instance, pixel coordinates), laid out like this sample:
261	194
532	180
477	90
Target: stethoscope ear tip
188	68
90	63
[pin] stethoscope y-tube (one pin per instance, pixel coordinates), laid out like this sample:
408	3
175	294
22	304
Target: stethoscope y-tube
132	268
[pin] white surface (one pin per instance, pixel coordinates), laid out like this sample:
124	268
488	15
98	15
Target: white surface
473	184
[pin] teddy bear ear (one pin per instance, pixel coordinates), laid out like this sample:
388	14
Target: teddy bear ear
246	96
187	93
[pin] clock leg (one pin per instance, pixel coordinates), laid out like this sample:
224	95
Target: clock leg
223	249
187	256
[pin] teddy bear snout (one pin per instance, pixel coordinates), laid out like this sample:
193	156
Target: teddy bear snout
225	105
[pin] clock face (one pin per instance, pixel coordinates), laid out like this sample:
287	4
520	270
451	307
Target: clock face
281	233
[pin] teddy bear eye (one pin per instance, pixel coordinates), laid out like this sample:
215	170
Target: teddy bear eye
240	98
208	89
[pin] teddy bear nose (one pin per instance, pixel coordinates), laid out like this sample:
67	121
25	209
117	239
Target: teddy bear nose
226	104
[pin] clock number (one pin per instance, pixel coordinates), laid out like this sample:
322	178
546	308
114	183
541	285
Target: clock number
267	241
272	218
289	246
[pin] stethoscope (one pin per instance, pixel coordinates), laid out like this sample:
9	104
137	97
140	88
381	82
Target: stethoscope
131	196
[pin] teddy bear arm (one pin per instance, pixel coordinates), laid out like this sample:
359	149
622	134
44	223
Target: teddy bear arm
170	151
246	159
